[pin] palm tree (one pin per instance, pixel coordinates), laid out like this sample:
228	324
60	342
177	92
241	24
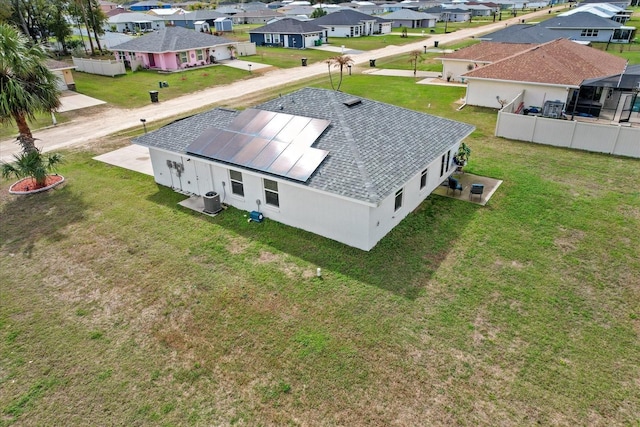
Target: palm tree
32	164
329	62
340	62
415	56
27	86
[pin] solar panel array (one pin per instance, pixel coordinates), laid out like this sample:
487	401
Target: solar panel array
276	143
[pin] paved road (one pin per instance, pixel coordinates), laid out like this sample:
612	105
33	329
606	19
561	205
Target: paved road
88	128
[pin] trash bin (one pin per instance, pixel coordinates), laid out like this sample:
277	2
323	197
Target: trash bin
160	84
372	63
435	43
165	84
154	95
212	202
304	62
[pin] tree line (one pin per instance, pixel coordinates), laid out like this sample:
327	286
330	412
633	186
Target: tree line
42	20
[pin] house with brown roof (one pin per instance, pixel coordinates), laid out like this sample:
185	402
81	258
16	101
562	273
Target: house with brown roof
547	72
461	61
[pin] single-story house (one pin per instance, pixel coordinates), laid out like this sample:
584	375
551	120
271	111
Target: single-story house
261	16
174	48
551	71
288	32
461	61
134	22
584	27
411	19
623	4
346	168
450	14
217	21
106	6
603	10
144	6
62	71
350	23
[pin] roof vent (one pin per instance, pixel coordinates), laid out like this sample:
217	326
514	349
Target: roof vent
352	102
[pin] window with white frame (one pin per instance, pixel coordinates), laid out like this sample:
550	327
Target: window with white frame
443	162
271	192
276	38
200	54
267	38
398	203
183	57
237	187
423	178
589	33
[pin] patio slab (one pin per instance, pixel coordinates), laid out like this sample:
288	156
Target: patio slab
466	179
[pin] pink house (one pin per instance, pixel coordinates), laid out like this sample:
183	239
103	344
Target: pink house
174	48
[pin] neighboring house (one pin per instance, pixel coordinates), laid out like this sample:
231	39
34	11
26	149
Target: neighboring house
189	19
623	4
349	169
583	27
450	14
144	6
134	22
476	10
63	73
167	13
288	32
603	10
411	19
106	6
174	48
461	61
549	72
255	16
350	23
296	11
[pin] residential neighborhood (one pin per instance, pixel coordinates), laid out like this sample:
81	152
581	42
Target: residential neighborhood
370	213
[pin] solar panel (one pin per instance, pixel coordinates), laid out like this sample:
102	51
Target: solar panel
307	164
275	143
286	160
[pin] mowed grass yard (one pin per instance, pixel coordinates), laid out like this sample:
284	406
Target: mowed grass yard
118	307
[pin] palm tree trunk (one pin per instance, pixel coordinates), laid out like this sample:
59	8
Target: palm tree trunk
25	139
94	25
330	77
86	25
340	82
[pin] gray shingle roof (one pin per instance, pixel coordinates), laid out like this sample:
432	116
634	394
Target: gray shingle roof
288	26
409	14
171	39
346	17
374	148
580	20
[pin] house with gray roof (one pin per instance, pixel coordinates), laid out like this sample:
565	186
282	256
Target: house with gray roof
143	6
582	27
346	168
189	20
134	22
173	48
351	23
288	32
408	18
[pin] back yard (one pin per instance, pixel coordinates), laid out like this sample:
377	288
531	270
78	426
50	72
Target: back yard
121	308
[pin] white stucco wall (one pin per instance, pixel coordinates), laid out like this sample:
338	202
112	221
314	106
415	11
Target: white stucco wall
354	223
483	93
456	67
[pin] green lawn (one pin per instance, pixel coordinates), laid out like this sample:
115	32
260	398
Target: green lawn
132	90
121	308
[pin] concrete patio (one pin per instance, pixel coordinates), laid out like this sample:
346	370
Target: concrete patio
466	179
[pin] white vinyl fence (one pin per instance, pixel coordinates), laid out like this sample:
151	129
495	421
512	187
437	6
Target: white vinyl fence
103	67
616	139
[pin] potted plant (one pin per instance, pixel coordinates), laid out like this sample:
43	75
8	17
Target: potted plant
449	75
462	156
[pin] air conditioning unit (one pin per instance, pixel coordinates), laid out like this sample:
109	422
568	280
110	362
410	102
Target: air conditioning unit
212	203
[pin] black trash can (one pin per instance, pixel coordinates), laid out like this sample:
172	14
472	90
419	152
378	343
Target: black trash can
436	43
372	63
160	84
304	62
212	202
154	95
